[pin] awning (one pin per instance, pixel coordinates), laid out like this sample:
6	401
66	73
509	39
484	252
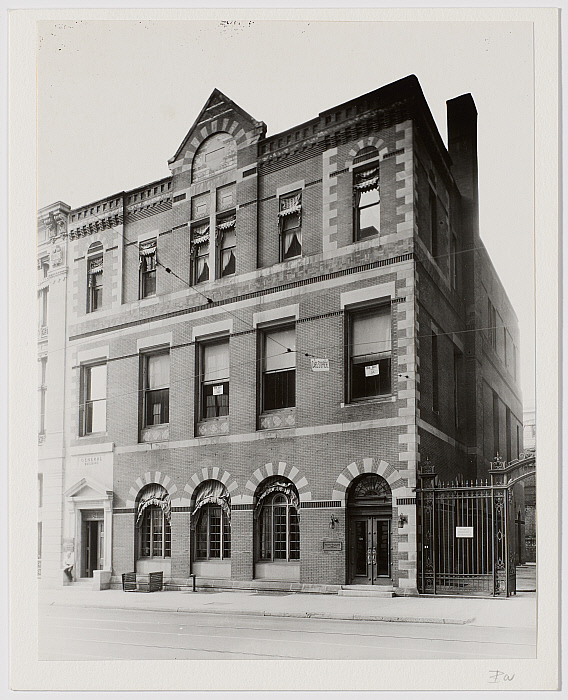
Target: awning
290	205
154	495
95	266
226	225
147	248
213	492
367	180
277	486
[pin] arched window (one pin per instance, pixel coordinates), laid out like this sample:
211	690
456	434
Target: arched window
95	277
370	489
217	154
211	520
278	524
153	523
366	195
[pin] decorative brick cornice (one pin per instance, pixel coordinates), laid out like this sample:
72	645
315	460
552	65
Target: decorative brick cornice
96	225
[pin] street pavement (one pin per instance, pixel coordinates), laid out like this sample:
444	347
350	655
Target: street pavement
491	612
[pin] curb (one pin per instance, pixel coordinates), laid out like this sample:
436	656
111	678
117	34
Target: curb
358	617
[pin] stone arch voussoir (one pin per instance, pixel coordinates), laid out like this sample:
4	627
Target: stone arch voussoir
206	474
368	465
156	477
276	469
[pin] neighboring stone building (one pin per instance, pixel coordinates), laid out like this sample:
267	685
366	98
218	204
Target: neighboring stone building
529	445
248	359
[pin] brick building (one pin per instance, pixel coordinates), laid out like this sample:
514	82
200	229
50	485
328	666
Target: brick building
243	364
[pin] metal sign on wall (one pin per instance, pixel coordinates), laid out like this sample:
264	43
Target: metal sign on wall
332	546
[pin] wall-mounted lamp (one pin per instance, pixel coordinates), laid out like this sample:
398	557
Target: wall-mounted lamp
333	520
402	520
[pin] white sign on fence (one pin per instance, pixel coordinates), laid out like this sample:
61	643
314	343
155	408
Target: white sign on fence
320	365
464	532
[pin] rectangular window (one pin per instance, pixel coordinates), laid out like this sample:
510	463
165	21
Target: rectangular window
214	372
433	209
457	385
435	375
454	261
366	203
93	404
226	245
290	223
42	394
278	369
370	353
492	324
508	434
148	261
495	424
199	253
42	307
156	382
95	284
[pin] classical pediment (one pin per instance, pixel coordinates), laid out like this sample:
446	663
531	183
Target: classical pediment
87	489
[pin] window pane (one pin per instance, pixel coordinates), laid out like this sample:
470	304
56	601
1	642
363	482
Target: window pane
157	519
145	534
266	533
294	534
371	334
276	345
157	407
201	535
369	221
149	283
96	382
216	361
279	390
371	378
291	244
280	532
214	404
96	416
226	537
368	198
228	262
214	533
158	371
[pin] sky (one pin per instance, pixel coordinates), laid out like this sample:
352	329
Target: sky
116	99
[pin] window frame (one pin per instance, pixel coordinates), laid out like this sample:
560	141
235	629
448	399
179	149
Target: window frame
166	535
224	219
372	164
94	289
292	552
284	219
351	316
224	534
85	401
146	274
146	390
224	381
195	249
265	332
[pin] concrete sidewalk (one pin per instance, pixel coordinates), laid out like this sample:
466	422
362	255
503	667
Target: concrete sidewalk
516	611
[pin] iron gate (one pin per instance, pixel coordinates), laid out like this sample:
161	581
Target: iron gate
466	532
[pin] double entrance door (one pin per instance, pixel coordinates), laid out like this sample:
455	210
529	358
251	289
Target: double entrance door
93	545
369	549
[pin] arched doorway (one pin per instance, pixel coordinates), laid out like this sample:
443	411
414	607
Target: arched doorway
369	510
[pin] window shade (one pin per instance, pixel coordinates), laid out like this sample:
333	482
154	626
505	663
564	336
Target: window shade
276	355
371	334
216	362
158	371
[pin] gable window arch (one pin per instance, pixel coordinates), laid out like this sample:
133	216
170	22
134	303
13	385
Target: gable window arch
217	154
153	523
95	277
277	521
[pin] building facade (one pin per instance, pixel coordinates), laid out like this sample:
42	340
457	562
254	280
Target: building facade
243	364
